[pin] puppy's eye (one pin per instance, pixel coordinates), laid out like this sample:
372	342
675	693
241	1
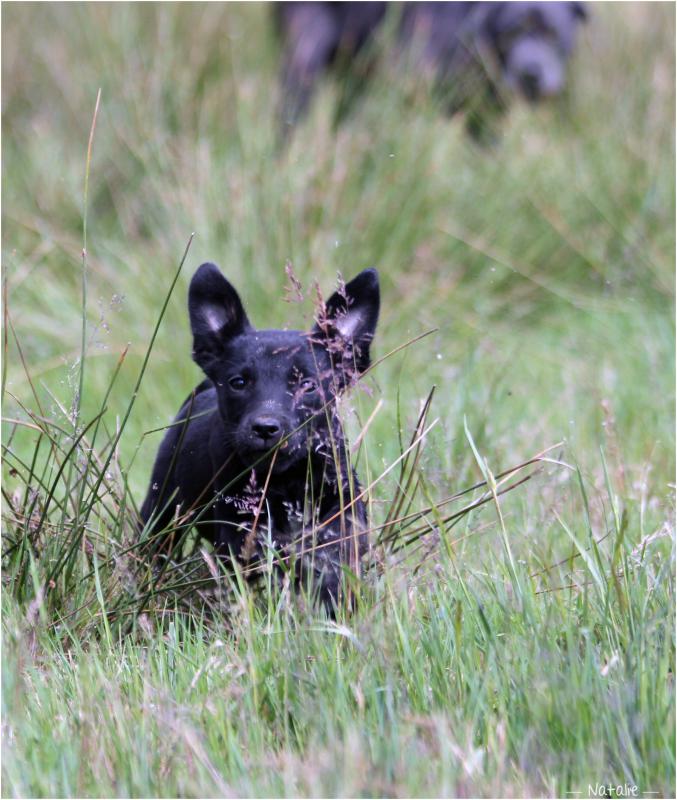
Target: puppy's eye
308	385
237	382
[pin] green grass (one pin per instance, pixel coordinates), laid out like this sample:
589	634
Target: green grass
526	652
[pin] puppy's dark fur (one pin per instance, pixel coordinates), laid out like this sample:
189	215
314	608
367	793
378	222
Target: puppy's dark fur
258	454
527	44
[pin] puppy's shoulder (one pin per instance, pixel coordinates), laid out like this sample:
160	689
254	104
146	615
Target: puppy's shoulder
202	398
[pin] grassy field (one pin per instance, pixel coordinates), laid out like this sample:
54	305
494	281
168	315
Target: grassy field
523	647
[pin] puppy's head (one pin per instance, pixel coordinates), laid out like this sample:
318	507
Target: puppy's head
276	388
532	41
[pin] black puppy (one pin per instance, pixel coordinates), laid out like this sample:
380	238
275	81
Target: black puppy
257	454
472	49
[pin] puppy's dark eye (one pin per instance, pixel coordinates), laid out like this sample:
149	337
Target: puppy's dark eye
237	383
308	385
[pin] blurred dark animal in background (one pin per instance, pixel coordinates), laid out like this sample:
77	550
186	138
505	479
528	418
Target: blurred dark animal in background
473	51
257	451
316	36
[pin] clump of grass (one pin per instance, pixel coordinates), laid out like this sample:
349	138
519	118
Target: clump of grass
70	510
73	546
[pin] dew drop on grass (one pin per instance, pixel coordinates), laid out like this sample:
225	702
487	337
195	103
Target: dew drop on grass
155	487
439	356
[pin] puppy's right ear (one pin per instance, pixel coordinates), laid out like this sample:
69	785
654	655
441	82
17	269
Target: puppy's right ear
216	314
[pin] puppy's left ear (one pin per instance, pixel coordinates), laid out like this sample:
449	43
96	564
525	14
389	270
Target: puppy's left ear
580	11
352	313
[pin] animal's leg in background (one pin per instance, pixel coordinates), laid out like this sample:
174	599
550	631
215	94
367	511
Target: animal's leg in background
483	116
312	38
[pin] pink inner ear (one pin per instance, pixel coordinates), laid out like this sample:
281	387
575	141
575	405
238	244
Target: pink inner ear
214	316
348	323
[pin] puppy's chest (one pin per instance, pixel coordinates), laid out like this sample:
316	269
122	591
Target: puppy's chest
274	513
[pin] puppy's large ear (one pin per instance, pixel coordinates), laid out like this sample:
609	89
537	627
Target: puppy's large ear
216	314
347	323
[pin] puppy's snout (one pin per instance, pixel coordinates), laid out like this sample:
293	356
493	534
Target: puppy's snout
268	429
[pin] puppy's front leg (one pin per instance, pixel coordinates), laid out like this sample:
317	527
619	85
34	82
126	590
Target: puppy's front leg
337	542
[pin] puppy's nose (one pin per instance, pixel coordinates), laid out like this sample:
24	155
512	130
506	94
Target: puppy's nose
267	428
